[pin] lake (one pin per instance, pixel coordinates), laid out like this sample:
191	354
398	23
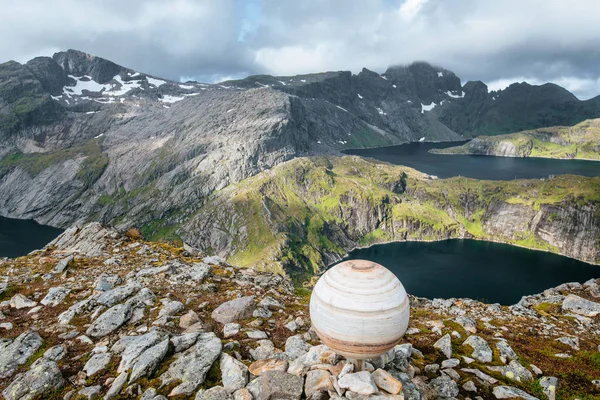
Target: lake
19	237
491	272
417	156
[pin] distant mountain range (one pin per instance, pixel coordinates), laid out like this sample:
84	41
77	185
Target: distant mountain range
82	138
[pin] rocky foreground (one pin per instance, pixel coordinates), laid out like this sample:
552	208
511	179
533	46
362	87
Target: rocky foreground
100	315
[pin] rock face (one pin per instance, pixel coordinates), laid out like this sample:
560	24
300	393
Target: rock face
234	310
152	355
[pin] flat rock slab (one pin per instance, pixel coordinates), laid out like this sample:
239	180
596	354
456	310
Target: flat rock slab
234	310
18	352
42	378
278	385
581	306
509	392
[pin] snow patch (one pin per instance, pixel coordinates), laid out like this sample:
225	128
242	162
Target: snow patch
383	77
282	82
440	74
422	139
191	94
456	96
341	108
260	84
303	80
171	99
359	96
91	112
155	82
394	86
187	87
99	136
230	110
408	101
88	84
380	111
134	75
427	107
318	141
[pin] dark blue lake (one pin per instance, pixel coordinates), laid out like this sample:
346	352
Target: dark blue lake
417	156
19	237
491	272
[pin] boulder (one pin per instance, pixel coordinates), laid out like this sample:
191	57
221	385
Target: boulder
481	348
514	371
234	373
509	392
55	296
295	346
19	301
111	320
116	386
384	380
506	352
96	363
359	382
444	344
581	306
191	366
259	367
445	386
18	352
41	379
231	329
130	348
149	360
278	385
234	310
317	381
214	393
549	384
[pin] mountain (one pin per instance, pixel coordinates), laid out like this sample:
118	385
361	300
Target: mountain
307	213
84	139
97	314
581	141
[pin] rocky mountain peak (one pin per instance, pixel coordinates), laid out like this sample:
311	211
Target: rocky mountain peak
78	63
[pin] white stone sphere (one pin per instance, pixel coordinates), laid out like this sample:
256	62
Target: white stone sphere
359	309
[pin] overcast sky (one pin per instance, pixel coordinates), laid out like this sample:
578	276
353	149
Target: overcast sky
496	41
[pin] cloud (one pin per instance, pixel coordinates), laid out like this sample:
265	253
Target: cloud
492	41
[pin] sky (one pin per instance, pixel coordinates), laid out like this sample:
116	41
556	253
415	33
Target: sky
495	41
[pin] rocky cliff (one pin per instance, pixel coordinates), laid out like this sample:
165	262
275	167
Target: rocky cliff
306	213
82	138
100	315
581	141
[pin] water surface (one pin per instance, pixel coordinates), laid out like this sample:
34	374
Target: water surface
417	156
19	237
491	272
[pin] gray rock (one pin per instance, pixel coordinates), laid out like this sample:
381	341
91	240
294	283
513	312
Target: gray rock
96	363
549	384
481	375
450	363
295	346
118	294
19	301
62	265
55	296
198	272
91	392
18	352
152	394
116	386
432	368
152	271
184	341
254	387
509	392
256	335
192	365
111	320
42	378
444	344
242	394
234	310
572	342
55	353
234	373
149	360
262	313
581	306
278	385
106	282
515	371
214	393
445	387
359	382
506	352
469	386
131	347
317	381
481	348
231	329
271	304
467	323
